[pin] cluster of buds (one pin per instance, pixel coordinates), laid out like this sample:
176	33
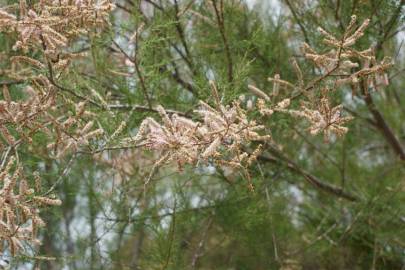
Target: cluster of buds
43	32
342	65
224	130
19	120
54	23
46	26
218	138
73	132
19	208
339	62
325	119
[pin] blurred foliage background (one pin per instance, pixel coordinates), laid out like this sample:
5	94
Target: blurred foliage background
206	218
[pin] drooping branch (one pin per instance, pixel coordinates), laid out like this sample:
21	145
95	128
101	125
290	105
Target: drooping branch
382	125
311	179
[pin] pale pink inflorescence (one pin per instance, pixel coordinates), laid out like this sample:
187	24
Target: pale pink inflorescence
45	29
51	24
19	208
336	71
219	136
225	131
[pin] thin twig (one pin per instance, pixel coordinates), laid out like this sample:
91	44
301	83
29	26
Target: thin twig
311	179
221	26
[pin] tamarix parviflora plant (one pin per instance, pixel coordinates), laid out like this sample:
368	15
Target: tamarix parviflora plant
221	133
218	134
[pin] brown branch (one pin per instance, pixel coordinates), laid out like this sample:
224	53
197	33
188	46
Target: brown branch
154	4
297	19
311	179
142	108
182	37
183	56
51	79
123	8
134	60
382	125
176	76
391	23
221	26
